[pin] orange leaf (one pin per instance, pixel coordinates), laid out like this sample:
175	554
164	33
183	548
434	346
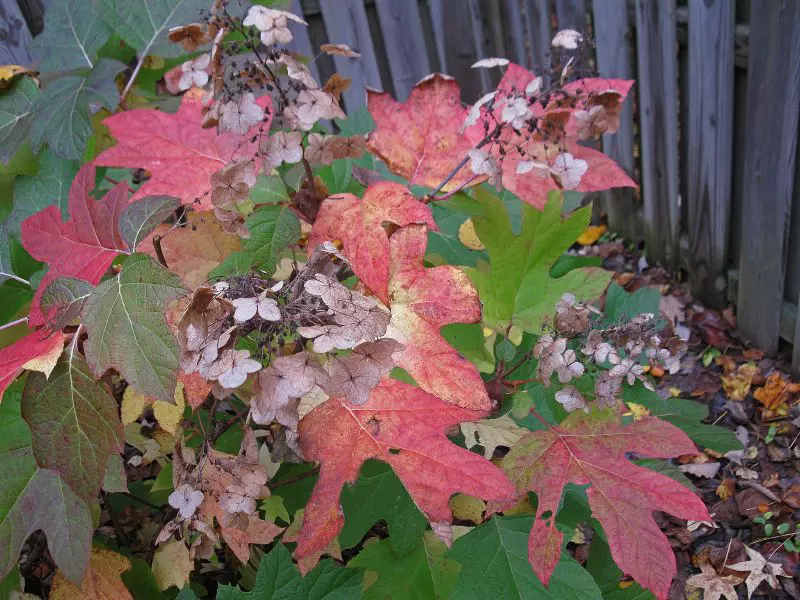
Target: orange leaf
737	384
404	427
36	351
420	139
180	155
101	582
775	392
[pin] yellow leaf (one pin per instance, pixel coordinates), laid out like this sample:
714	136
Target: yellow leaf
674	392
637	411
101	581
133	405
168	415
467	508
153	62
469	237
737	384
515	335
10	73
523	507
46	362
591	234
172	564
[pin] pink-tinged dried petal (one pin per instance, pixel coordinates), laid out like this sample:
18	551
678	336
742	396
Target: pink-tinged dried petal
82	247
592	450
36	351
420	139
357	223
180	155
404	427
422	301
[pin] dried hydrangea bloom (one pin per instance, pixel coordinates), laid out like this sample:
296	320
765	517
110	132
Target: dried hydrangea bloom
607	390
194	72
286	379
186	499
571	399
320	149
516	112
232	368
592	123
232	183
568	170
567	39
247	308
238	116
482	163
273	24
283	147
339	50
355	375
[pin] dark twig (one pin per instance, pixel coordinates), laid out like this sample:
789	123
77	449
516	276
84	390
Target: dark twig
159	251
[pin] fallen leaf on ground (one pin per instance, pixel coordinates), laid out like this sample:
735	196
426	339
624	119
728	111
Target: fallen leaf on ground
172	565
760	570
101	582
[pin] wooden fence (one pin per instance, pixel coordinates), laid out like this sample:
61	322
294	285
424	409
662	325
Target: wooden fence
711	130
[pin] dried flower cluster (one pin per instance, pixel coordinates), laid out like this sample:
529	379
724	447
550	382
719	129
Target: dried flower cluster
615	355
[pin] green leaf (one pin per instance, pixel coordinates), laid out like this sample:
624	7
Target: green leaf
73	33
141	582
74	423
62	109
33	498
16	116
686	415
445	242
338	177
469	341
359	122
516	286
378	494
623	306
49	187
115	479
608	575
269	190
494	564
139	344
6	271
10	583
568	262
424	572
277	578
668	469
272	228
273	508
144	24
235	264
141	217
63	300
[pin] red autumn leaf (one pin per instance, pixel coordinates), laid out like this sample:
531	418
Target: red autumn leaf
422	301
180	155
420	139
533	187
195	388
356	222
591	450
404	427
82	247
36	351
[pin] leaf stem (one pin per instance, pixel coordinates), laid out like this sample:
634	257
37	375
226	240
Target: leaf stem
14	323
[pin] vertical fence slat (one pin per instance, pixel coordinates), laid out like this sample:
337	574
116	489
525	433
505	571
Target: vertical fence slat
658	107
515	26
346	23
302	42
613	50
571	14
773	97
538	35
479	40
436	9
405	45
710	135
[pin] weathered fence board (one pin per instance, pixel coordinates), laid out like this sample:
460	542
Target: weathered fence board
537	33
709	131
773	97
658	107
479	39
611	28
346	23
301	42
401	27
571	14
14	34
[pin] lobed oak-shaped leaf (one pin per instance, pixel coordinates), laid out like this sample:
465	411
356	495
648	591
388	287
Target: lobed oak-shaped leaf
125	318
73	33
420	139
516	287
180	155
74	424
16	117
357	223
33	498
592	450
36	351
405	427
82	247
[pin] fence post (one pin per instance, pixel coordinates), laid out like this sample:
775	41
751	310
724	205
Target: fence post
405	45
710	144
346	23
773	97
613	53
656	46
